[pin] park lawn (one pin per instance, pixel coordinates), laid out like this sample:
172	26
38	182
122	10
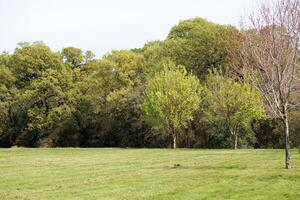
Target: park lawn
112	173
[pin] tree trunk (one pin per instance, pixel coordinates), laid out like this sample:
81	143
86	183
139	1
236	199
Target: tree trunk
235	141
235	138
174	137
287	140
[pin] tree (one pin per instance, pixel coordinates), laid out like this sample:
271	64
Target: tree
156	54
29	62
122	115
38	101
231	104
7	98
171	97
269	53
200	45
106	99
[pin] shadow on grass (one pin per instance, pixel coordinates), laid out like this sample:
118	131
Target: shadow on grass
208	167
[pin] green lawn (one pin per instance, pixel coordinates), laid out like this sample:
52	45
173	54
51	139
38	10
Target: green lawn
147	174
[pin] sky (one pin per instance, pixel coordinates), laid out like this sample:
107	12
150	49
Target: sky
103	25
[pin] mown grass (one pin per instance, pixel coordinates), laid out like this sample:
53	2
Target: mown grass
147	174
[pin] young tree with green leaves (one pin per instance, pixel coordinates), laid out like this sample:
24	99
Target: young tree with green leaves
171	97
232	104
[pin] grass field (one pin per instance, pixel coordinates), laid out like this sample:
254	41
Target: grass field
147	174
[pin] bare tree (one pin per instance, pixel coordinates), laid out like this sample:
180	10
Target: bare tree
269	56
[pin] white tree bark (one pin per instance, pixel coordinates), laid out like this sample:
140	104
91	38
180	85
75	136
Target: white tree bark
269	57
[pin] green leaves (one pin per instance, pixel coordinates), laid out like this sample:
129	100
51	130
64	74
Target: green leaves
30	61
230	103
73	56
171	97
72	98
200	45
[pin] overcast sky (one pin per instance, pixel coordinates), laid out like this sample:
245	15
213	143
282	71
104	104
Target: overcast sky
103	25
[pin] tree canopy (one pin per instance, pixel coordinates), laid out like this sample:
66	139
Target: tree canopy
152	96
171	97
231	105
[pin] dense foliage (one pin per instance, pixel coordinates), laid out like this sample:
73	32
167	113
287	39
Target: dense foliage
231	105
71	98
171	97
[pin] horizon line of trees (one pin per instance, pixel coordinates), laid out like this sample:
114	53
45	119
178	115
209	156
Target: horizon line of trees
194	89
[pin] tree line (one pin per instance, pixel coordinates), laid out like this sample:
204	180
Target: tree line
202	87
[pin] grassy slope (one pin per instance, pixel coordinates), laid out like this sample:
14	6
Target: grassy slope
147	174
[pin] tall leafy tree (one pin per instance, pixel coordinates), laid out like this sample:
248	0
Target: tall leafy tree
123	96
8	94
29	61
231	104
39	99
171	97
200	45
